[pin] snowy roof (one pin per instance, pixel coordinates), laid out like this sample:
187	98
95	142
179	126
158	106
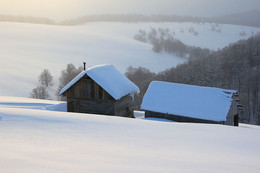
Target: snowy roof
109	78
188	100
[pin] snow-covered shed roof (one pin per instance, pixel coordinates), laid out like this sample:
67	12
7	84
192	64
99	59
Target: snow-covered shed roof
109	78
188	100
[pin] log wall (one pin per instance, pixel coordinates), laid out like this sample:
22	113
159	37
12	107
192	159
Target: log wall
86	96
177	118
233	111
124	107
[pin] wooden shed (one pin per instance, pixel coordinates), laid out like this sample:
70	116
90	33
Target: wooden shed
100	90
190	103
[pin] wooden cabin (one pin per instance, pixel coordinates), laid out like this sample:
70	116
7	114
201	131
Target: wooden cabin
100	90
189	103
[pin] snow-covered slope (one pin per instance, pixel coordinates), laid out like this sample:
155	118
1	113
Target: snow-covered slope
28	103
27	49
58	142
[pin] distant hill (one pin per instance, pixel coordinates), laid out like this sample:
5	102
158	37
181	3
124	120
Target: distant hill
250	18
26	19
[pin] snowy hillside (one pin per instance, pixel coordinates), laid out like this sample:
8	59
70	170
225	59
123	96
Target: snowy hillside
27	49
58	142
28	103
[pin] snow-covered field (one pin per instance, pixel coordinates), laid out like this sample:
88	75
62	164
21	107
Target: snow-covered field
27	49
28	103
37	140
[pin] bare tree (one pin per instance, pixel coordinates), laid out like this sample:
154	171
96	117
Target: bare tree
45	81
39	92
45	78
67	75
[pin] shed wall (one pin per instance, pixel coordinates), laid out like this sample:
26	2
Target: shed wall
124	107
91	106
232	112
179	118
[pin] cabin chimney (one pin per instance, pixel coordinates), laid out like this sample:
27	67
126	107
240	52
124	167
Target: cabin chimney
84	65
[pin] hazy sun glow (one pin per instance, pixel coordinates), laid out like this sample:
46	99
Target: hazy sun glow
47	8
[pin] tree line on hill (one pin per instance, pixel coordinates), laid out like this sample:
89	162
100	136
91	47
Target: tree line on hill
163	40
249	18
27	19
235	67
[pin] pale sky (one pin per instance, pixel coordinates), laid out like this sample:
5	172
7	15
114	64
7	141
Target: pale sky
63	9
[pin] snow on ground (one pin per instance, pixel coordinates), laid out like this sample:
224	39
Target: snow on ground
141	115
58	142
27	49
29	103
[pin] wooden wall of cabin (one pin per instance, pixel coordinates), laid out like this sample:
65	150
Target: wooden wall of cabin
86	96
233	110
91	106
87	89
124	107
179	118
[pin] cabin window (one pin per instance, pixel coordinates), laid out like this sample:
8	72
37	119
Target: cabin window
100	92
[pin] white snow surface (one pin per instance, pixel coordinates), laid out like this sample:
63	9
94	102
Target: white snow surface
43	141
109	78
29	103
188	100
27	49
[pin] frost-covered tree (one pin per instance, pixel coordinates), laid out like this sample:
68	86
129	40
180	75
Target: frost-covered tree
45	78
142	77
163	40
67	75
141	36
39	92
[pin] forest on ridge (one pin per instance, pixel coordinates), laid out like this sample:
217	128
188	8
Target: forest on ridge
235	67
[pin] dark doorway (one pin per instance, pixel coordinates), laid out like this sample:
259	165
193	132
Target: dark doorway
236	119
